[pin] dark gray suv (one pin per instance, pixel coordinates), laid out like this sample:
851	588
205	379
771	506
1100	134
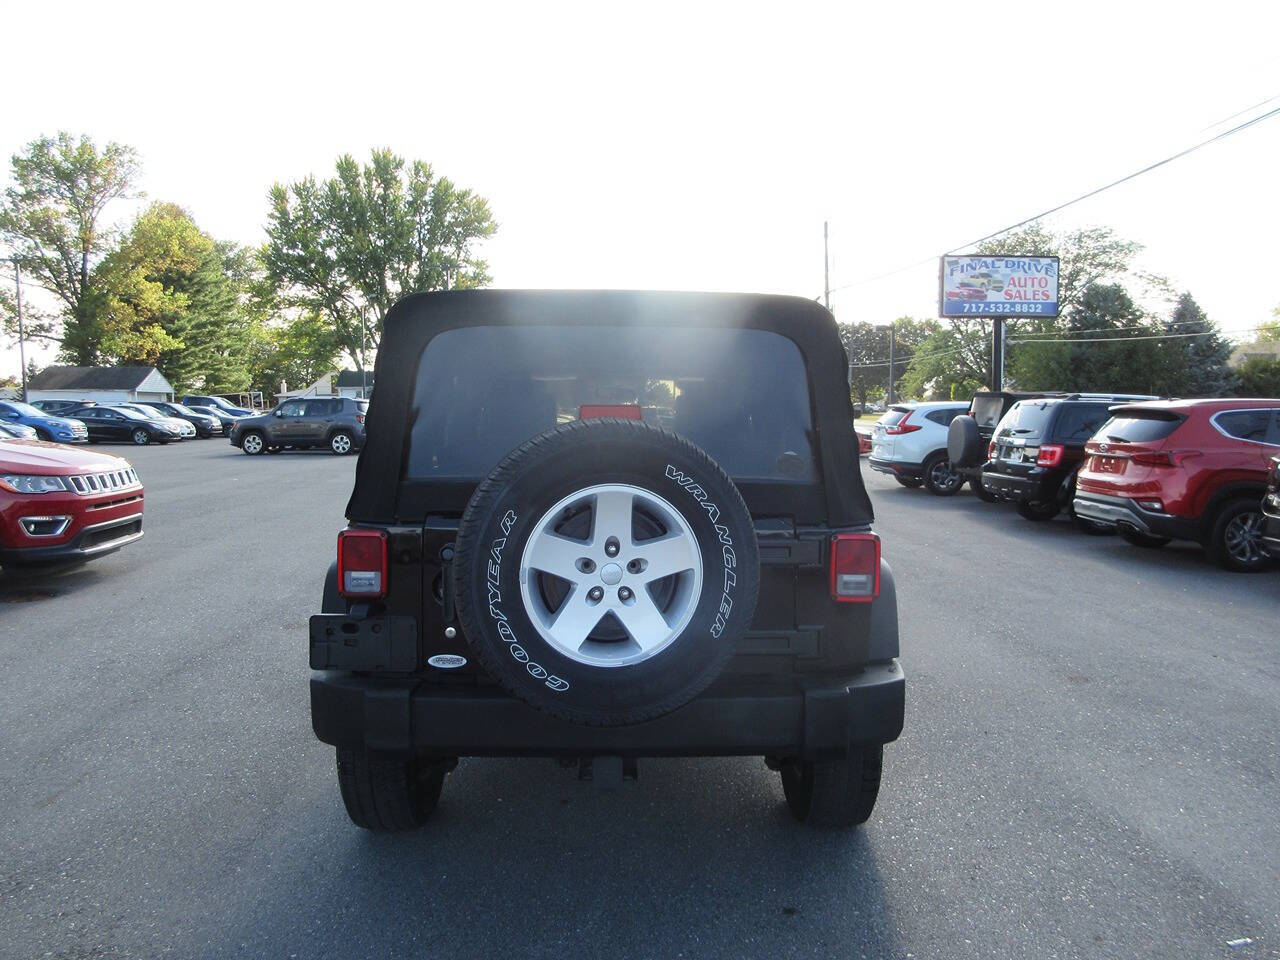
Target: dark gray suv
333	422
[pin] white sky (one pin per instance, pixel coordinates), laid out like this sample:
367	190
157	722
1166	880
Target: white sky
698	146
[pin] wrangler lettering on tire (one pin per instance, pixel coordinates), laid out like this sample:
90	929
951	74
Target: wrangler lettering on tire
606	571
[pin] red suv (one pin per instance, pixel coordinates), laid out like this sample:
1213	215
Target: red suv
60	503
1184	470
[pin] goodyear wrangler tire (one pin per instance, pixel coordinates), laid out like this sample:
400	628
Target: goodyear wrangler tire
605	571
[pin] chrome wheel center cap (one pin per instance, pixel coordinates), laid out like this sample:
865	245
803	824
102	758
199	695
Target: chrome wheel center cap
611	573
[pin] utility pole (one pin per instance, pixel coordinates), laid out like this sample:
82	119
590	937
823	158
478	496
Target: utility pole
997	354
891	397
364	365
22	352
826	270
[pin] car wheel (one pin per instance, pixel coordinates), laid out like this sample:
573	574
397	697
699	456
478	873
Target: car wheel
1140	539
980	492
141	437
383	794
340	443
606	571
1235	539
1037	509
252	443
940	477
911	483
834	793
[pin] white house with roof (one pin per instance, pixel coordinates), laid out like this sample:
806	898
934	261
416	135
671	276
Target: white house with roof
100	384
335	383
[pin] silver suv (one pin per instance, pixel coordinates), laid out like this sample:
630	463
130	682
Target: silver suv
333	422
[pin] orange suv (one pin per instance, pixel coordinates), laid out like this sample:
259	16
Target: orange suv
1184	470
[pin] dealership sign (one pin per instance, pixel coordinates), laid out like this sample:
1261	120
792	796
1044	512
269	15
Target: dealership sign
998	287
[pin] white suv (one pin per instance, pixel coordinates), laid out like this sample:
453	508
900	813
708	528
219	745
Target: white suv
910	443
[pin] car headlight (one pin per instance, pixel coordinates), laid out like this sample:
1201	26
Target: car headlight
24	483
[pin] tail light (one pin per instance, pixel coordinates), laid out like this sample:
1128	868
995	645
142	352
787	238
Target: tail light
991	450
1050	455
1163	458
362	563
359	418
902	426
855	567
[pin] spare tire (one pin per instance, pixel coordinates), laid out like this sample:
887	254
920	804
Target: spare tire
964	443
605	571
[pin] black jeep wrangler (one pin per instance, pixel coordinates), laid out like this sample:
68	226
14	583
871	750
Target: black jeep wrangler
603	526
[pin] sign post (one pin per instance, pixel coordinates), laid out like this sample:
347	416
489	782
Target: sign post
997	288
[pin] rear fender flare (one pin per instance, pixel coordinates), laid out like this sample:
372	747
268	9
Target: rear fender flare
883	641
331	601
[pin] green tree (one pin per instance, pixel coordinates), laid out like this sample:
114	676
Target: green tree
296	352
173	296
52	218
1269	331
1258	376
951	363
347	248
1193	362
867	347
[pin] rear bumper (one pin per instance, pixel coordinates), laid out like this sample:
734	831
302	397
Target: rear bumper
1123	512
897	468
805	718
1039	485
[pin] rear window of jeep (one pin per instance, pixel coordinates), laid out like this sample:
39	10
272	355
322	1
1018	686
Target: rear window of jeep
741	395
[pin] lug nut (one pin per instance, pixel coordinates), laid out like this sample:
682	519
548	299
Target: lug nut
624	594
586	565
611	546
595	594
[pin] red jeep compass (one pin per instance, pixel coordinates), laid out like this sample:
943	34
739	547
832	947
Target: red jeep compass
1184	470
60	503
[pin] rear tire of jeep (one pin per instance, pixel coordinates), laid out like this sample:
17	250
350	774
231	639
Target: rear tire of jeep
1037	510
385	794
911	483
834	793
964	443
605	572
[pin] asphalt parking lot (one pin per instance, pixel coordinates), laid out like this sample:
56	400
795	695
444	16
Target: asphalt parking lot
1089	767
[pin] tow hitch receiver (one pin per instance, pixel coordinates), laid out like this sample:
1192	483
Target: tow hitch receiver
607	773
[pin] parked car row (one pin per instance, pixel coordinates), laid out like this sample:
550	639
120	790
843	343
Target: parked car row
1155	471
79	421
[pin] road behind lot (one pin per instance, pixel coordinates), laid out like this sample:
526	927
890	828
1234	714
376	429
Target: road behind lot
1089	767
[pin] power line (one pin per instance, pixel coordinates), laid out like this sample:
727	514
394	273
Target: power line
1115	183
1154	336
1157	336
1085	196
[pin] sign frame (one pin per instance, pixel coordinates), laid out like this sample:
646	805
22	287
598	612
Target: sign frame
1010	312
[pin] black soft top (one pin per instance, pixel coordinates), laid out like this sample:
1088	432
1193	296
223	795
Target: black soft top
382	495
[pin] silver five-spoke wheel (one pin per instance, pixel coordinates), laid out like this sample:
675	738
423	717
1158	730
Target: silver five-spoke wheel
611	575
